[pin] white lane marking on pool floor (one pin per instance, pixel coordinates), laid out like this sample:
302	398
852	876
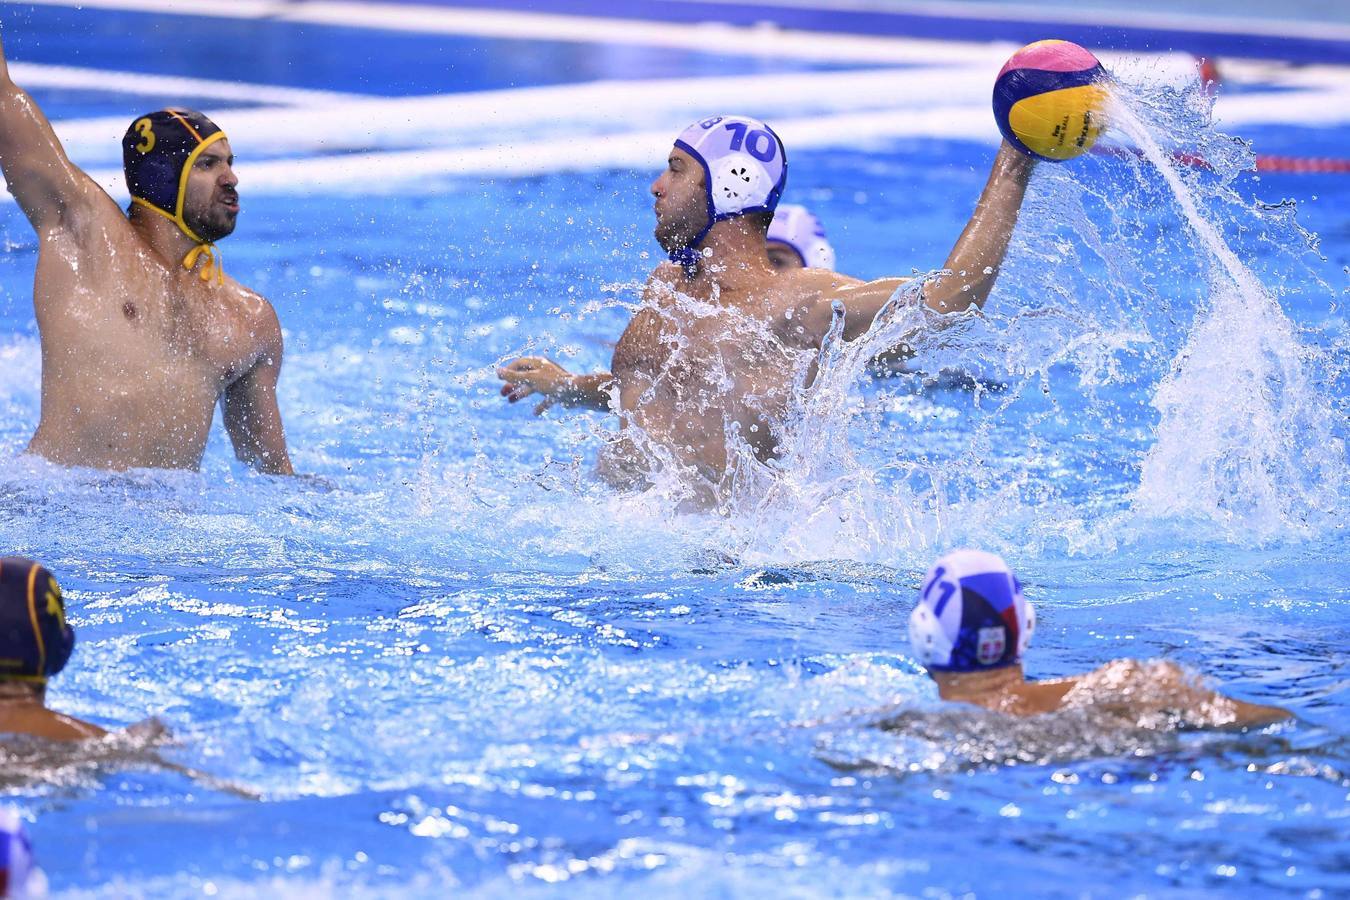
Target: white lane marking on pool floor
400	171
40	75
404	170
513	116
588	29
510	122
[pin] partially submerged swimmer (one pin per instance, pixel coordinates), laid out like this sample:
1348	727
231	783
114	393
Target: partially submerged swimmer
722	340
142	331
37	742
797	240
972	625
35	643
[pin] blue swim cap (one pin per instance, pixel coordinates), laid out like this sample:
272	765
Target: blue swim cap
797	227
35	639
971	614
744	166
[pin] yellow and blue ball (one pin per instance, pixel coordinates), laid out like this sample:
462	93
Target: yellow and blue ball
1049	100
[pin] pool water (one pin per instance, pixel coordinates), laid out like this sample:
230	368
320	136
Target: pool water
455	659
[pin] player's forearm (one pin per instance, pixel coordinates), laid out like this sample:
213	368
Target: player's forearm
19	115
978	254
4	65
588	391
272	462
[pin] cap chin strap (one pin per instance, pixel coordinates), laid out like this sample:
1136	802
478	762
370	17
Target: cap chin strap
39	680
213	267
691	254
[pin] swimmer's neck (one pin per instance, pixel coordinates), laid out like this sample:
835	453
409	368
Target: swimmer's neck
731	255
979	687
20	693
163	235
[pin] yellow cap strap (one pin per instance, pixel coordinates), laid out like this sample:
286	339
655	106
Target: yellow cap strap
33	617
212	267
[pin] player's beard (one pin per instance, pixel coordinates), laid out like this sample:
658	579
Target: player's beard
678	229
212	224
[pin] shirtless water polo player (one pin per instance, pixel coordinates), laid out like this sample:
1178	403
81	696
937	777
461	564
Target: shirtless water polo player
142	332
686	383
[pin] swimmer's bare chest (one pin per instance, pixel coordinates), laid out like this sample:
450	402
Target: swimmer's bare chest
131	312
689	374
134	355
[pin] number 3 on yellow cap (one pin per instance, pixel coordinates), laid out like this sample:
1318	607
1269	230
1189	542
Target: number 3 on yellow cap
147	134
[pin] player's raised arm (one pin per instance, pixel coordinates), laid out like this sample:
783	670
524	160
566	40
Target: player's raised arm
975	260
43	181
971	267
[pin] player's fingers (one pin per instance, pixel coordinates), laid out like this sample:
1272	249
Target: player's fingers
517	367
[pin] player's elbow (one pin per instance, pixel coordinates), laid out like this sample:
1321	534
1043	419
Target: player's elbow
954	294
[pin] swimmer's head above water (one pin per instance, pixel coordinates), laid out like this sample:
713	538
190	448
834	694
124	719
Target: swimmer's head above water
796	240
35	639
720	168
178	164
971	615
972	626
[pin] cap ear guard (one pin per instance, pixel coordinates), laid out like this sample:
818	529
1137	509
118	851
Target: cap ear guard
927	639
1029	625
738	182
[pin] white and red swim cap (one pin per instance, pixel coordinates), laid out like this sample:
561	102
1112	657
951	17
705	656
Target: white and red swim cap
971	614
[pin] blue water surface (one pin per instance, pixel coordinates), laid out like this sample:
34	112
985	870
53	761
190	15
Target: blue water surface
456	660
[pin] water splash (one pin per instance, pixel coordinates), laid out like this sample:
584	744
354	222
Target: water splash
1245	438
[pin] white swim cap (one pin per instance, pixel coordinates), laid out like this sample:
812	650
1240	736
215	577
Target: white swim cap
744	165
19	877
798	227
971	614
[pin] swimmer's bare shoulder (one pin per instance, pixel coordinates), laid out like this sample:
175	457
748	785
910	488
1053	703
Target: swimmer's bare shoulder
635	350
802	304
40	722
1144	689
662	284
